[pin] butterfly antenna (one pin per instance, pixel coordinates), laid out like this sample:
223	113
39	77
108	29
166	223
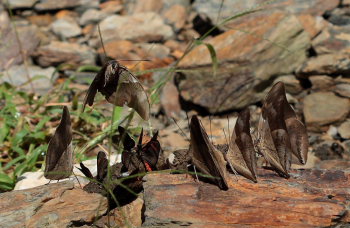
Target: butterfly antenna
228	128
183	133
229	163
101	40
211	135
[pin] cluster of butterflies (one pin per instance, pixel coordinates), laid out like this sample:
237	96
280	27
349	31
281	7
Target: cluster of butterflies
120	87
280	134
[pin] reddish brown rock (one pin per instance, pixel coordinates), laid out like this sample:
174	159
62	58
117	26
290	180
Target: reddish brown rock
169	100
310	198
126	216
55	205
247	60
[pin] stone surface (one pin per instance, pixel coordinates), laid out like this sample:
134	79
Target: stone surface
154	50
323	108
61	52
45	5
42	78
321	82
169	99
344	129
92	16
291	83
332	39
142	27
20	4
343	90
328	64
66	27
123	49
9	47
312	24
127	216
176	15
232	7
247	61
50	206
310	198
111	7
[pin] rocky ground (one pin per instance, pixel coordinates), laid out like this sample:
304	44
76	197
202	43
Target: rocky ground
305	44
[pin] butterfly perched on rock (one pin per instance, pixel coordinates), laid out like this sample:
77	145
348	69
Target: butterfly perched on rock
205	157
141	157
59	155
241	153
280	132
120	87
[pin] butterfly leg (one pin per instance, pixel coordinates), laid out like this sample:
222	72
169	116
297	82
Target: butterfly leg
48	182
195	171
77	180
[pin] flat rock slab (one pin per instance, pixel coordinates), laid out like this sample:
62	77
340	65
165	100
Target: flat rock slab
310	198
55	205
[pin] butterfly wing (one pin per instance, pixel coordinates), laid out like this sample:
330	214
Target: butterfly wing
102	166
296	130
297	133
131	93
59	156
206	158
241	153
86	171
127	141
150	151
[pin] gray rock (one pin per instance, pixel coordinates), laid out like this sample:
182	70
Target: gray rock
41	78
343	90
291	83
321	82
344	129
328	64
323	108
58	52
46	5
155	50
9	48
247	62
142	27
92	16
232	7
66	27
20	4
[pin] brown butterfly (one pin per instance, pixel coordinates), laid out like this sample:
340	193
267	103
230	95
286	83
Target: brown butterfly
205	157
143	157
102	166
59	156
296	129
241	153
120	87
273	140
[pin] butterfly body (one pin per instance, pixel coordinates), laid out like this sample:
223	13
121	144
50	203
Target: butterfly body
59	156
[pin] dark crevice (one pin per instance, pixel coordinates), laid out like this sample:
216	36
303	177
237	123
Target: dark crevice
305	83
311	52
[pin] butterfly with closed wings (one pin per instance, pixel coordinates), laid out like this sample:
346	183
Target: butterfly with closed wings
59	155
